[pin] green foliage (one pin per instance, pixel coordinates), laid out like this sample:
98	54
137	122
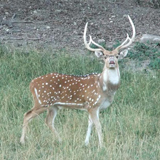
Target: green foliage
103	44
155	63
155	3
143	52
131	125
151	3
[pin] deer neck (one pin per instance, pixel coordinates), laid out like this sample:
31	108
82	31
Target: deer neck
110	79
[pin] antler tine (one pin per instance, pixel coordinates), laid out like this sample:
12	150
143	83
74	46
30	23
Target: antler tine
96	44
124	41
123	45
87	45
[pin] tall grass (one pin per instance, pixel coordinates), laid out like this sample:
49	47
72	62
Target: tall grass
131	126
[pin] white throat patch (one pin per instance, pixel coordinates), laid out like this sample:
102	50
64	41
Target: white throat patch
111	75
114	76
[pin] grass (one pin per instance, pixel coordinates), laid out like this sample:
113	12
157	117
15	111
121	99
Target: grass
131	126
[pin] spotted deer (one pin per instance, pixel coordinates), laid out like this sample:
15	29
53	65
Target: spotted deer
91	93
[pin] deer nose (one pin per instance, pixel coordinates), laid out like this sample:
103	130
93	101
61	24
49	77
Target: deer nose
112	62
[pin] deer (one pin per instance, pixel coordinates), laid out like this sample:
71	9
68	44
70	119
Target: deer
92	92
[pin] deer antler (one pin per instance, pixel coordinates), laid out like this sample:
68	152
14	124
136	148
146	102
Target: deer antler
87	45
125	44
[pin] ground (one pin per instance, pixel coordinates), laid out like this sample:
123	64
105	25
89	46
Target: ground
59	24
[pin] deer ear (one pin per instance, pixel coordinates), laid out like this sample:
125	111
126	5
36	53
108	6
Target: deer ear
99	54
123	54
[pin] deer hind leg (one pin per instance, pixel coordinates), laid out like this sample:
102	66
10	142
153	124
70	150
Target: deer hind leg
51	115
28	116
94	114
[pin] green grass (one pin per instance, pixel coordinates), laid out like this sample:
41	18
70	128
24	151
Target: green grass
131	126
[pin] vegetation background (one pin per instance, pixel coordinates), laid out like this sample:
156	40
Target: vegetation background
131	126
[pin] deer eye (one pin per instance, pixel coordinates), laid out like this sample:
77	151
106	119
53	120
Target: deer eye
105	57
117	57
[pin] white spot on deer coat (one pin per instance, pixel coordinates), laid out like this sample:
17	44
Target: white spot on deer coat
97	100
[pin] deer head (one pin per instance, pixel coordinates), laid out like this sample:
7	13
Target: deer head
111	57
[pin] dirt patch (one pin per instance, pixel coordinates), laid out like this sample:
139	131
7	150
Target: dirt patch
59	24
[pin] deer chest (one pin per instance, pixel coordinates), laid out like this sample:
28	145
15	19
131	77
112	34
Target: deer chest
104	104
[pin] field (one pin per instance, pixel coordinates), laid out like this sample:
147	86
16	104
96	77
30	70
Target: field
131	126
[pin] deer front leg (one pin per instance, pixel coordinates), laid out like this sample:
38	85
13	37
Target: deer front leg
90	124
94	113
